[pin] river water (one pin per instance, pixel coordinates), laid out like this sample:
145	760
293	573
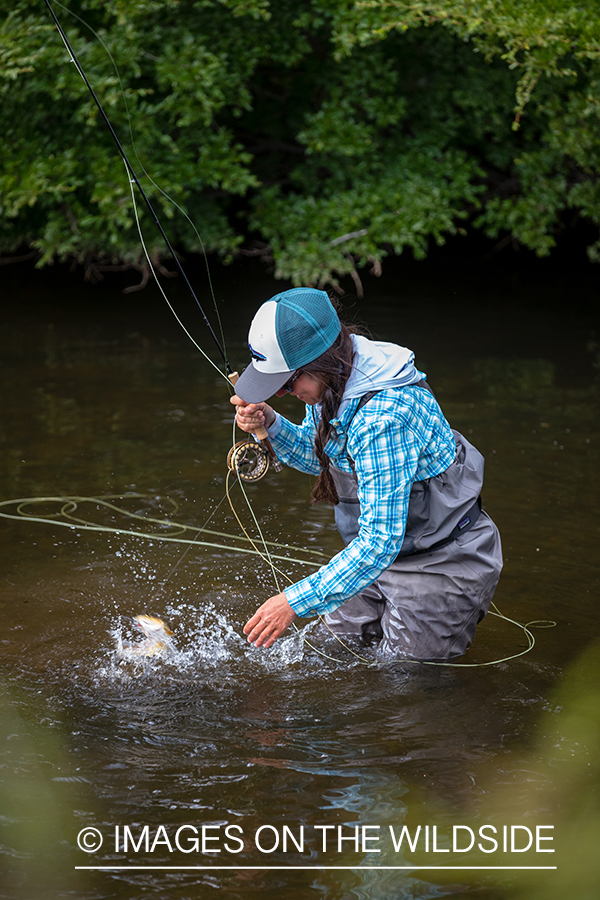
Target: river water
290	772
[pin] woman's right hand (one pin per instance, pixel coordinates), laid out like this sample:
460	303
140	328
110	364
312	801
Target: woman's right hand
251	416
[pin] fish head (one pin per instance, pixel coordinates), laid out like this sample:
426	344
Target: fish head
153	628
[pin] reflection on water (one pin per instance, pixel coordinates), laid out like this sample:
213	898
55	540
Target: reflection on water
306	735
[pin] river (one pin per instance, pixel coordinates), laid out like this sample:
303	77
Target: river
290	772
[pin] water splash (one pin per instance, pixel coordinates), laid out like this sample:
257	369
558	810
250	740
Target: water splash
204	640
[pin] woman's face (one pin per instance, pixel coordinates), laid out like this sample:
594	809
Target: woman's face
306	388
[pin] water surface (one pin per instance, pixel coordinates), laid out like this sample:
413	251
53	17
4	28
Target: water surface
103	396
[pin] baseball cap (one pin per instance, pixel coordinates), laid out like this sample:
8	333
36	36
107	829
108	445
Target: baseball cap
288	331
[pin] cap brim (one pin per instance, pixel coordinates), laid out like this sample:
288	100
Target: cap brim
255	387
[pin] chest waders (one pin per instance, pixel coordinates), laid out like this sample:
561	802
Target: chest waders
427	603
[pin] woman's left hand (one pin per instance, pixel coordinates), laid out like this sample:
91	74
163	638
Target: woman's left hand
269	621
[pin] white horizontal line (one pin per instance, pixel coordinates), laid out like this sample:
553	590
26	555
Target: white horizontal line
308	868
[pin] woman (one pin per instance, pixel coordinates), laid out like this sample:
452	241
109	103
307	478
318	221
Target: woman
422	560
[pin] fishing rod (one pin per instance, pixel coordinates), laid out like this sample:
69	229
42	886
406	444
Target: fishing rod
136	181
250	459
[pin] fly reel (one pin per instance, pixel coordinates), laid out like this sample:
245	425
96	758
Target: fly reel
249	460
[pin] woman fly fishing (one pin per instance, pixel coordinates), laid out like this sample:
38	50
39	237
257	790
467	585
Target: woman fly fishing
422	559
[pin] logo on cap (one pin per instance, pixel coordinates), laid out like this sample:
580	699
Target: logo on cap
255	355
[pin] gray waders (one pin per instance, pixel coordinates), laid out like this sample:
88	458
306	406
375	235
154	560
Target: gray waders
427	603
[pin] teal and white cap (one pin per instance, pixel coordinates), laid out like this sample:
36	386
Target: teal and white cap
289	331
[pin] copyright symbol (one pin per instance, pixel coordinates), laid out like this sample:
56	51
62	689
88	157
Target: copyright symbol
89	840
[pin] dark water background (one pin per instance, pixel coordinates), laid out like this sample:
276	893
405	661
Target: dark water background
103	395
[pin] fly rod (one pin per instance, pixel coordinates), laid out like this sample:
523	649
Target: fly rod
247	460
136	181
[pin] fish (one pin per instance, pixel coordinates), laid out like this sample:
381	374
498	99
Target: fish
157	638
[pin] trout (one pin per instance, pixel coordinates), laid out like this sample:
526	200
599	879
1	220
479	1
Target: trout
157	638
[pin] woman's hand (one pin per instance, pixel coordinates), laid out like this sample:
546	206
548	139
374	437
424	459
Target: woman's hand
269	621
251	416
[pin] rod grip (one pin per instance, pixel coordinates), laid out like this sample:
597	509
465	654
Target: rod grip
261	433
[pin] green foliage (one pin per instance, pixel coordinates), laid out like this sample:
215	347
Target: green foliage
396	203
338	131
553	46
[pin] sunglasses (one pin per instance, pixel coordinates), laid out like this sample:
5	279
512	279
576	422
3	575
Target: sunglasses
287	387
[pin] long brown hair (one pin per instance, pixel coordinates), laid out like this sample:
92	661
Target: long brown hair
332	369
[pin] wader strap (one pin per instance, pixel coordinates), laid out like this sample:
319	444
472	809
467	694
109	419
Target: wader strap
465	524
467	521
366	397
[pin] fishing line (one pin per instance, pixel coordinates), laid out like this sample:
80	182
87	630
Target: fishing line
141	165
187	549
535	623
70	504
264	453
274	570
161	289
267	555
135	180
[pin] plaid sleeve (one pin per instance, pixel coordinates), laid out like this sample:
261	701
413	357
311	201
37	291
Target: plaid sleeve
386	454
295	444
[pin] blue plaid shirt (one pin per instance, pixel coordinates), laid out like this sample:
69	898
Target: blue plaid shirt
400	436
